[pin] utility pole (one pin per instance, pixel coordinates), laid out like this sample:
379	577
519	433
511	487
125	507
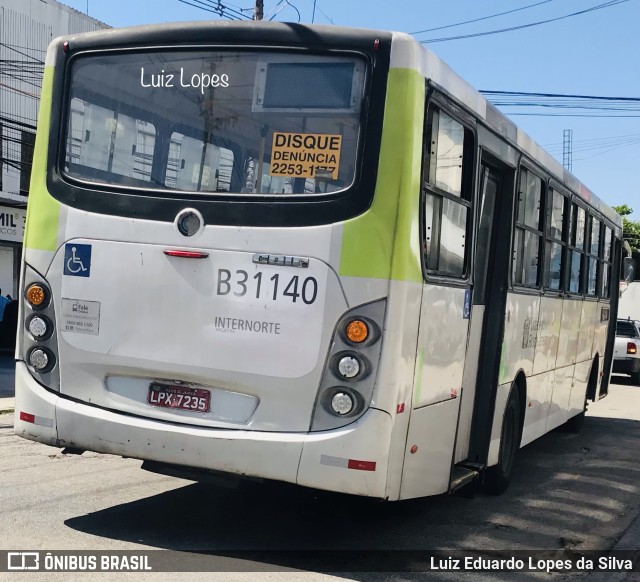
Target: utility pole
567	149
259	11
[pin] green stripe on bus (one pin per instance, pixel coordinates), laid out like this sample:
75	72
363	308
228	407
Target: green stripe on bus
368	248
43	211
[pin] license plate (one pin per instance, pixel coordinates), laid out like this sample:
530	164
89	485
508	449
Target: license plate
179	397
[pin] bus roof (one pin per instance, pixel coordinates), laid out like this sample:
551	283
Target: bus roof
406	52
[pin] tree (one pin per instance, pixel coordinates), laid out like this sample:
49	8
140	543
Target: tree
630	232
630	228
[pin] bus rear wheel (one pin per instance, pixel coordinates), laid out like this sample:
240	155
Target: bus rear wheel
496	479
575	423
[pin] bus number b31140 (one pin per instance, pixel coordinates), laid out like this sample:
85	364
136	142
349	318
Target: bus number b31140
239	283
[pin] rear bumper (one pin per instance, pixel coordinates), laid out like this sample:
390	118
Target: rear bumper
318	460
626	366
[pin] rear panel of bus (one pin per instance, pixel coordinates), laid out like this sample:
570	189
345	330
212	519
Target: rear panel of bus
207	269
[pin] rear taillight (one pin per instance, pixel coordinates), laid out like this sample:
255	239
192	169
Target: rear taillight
632	348
41	359
357	331
347	384
37	296
40	327
39	346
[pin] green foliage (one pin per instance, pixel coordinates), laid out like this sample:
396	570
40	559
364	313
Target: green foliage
623	210
630	228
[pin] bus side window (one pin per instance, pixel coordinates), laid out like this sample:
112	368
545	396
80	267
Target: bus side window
446	203
556	241
576	250
528	232
607	258
591	261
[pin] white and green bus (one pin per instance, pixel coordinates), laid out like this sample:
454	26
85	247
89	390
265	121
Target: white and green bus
302	253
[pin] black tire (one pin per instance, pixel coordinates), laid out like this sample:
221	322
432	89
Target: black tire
635	378
575	423
496	479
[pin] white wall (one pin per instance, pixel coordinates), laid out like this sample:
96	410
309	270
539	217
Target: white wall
6	271
629	305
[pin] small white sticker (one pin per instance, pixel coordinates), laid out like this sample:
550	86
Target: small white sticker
80	316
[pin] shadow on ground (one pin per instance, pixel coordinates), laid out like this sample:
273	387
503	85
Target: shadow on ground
572	492
623	380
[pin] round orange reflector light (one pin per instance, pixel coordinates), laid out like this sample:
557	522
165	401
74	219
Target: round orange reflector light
35	295
357	331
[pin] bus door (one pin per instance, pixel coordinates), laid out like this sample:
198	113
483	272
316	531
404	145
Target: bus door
486	329
447	227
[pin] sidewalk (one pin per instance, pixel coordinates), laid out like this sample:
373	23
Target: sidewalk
7	382
630	540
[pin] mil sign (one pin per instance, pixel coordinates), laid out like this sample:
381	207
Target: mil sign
305	155
12	224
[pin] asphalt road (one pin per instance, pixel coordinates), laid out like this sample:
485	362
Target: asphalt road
570	492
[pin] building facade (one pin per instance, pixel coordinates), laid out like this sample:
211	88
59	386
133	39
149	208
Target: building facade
26	28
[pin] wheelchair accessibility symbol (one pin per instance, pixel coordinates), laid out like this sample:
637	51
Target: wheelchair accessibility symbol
77	260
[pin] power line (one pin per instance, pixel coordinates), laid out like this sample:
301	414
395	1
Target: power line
595	140
8	120
529	25
280	7
575	104
10	88
603	148
12	48
26	48
602	153
200	7
20	79
603	143
292	6
217	7
589	115
479	19
563	95
225	8
322	12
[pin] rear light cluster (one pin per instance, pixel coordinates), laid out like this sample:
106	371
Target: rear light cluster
632	348
347	383
40	327
39	344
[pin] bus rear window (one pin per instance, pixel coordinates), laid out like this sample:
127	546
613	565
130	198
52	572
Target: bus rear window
215	121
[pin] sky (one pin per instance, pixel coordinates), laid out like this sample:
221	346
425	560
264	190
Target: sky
595	54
